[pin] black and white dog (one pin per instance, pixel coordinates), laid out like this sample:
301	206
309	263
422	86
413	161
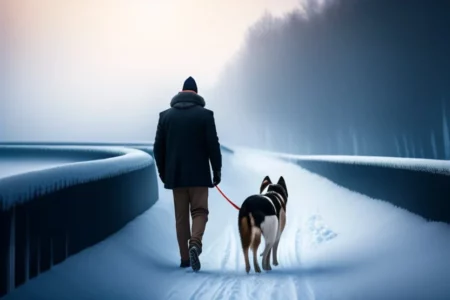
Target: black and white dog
264	214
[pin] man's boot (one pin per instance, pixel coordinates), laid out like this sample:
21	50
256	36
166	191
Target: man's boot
185	263
194	253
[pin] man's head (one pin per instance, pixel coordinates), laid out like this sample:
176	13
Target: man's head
190	85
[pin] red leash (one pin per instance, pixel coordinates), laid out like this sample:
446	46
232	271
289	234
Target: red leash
226	198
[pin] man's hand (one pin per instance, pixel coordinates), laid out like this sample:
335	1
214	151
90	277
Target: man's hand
217	178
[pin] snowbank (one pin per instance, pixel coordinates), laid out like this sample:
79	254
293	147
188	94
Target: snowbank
421	186
49	214
411	164
103	163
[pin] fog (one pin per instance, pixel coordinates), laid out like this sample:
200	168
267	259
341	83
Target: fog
101	70
358	77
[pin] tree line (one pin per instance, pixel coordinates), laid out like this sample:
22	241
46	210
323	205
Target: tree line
352	77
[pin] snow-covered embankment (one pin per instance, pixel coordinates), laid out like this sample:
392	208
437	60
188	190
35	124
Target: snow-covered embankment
422	186
70	198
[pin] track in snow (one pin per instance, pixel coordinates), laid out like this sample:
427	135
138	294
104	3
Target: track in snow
337	245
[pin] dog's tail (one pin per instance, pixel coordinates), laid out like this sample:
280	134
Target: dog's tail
245	232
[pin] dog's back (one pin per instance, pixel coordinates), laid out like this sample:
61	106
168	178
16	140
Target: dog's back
257	207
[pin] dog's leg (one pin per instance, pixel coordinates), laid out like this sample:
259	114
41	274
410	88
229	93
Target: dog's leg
269	253
275	246
275	249
255	244
246	236
269	227
247	261
266	256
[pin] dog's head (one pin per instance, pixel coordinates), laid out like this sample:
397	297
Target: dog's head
279	187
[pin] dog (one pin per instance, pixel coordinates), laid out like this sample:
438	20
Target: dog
263	213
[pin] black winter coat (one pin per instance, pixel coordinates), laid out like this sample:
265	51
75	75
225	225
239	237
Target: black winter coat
186	142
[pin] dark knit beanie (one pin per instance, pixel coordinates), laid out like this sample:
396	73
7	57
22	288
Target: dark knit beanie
189	84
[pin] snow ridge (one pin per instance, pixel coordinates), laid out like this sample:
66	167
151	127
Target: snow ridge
441	167
413	164
23	187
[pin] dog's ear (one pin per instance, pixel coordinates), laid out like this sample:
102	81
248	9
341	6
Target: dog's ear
266	181
282	183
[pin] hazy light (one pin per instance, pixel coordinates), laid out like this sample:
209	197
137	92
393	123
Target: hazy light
102	69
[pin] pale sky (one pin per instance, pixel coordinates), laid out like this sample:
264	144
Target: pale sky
112	60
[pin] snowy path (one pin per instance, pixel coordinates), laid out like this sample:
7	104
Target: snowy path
337	245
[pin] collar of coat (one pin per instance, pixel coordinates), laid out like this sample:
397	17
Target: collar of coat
185	99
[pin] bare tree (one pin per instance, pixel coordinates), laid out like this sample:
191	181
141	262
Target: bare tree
433	145
446	132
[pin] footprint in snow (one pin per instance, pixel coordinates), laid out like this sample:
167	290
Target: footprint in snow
318	230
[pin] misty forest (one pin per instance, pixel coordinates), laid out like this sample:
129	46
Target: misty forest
353	77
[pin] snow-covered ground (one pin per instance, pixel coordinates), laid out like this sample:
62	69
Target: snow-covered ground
337	245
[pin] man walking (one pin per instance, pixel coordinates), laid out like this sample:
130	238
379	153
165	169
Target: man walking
186	143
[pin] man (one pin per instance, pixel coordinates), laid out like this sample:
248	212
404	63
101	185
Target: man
186	142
